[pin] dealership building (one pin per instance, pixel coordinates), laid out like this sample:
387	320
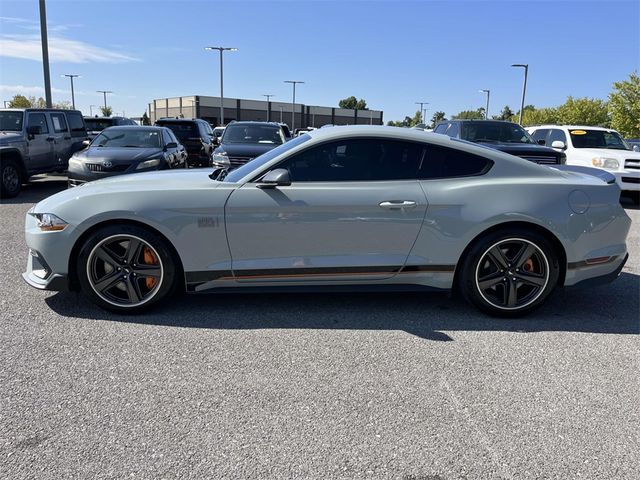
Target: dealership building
208	108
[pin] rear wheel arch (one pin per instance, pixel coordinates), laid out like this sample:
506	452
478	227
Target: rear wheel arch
550	236
73	257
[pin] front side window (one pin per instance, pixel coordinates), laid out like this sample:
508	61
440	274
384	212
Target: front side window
128	137
453	130
182	130
557	134
356	160
76	123
597	139
59	122
540	134
166	137
40	120
490	132
11	121
441	128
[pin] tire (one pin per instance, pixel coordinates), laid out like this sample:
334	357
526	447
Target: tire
509	273
126	269
10	179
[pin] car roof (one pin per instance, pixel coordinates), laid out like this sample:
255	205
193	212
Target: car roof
138	127
104	118
574	127
253	122
177	120
63	110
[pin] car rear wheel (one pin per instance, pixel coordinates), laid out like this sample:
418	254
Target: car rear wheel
509	273
10	181
126	269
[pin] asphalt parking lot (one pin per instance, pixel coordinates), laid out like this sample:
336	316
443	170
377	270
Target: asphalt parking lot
408	386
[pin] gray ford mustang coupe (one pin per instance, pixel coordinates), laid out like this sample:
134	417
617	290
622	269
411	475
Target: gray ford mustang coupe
358	207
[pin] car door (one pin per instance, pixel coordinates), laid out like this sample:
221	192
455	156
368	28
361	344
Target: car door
62	138
352	212
40	144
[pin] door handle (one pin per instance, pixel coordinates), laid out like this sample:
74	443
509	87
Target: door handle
398	204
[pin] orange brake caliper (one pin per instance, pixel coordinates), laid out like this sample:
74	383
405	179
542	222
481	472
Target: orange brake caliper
149	259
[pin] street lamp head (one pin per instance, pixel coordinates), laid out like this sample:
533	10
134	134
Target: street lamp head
484	91
293	81
220	49
70	75
523	65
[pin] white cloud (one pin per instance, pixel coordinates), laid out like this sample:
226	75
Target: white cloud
60	50
29	90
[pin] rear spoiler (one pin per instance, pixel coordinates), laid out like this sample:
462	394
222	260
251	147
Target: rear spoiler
594	172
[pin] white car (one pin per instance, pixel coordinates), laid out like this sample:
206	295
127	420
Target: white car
594	147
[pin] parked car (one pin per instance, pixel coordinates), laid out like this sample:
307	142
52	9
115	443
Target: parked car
504	136
96	124
127	149
197	137
594	147
36	140
244	141
634	143
344	207
217	132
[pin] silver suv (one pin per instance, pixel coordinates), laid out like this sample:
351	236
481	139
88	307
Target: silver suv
36	141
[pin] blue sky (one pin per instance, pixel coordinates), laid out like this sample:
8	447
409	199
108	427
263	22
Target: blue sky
391	53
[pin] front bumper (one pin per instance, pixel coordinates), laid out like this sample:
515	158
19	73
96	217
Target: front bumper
39	275
628	180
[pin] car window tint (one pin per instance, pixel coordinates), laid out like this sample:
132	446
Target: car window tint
540	134
441	128
557	134
453	130
76	123
59	122
356	160
442	162
39	119
166	137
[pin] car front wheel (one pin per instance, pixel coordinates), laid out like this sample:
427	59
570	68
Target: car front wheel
509	273
10	181
126	269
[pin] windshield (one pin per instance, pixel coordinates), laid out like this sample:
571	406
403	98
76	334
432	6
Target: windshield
128	137
266	134
11	121
258	162
182	130
597	139
495	133
97	124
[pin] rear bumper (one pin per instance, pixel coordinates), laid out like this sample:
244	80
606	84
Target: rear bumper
603	274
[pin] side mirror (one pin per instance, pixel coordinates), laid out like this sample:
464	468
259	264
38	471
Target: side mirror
636	148
275	178
171	145
85	143
542	141
558	144
34	130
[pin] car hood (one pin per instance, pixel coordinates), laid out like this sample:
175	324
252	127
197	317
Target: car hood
10	137
143	183
606	152
245	149
523	148
100	154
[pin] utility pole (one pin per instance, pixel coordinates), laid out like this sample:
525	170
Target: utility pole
524	86
45	53
422	111
486	110
293	103
73	98
268	109
104	92
221	49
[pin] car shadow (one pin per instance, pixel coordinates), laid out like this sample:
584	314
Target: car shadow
39	188
628	202
425	315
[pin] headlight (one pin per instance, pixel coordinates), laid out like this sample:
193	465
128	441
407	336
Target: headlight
221	158
48	222
606	162
154	162
75	162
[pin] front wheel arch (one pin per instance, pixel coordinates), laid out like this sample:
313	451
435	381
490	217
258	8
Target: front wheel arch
74	284
553	239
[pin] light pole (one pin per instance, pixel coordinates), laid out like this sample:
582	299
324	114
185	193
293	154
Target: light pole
293	104
268	109
486	110
280	113
91	109
104	92
422	111
221	49
524	86
71	77
45	53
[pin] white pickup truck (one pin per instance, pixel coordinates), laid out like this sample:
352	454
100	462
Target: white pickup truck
594	147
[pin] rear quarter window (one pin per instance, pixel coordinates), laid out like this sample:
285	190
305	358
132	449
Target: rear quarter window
76	124
441	162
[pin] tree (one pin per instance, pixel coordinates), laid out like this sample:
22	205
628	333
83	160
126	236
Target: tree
437	118
584	111
145	119
624	106
470	114
352	103
533	116
19	101
505	114
408	121
106	111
